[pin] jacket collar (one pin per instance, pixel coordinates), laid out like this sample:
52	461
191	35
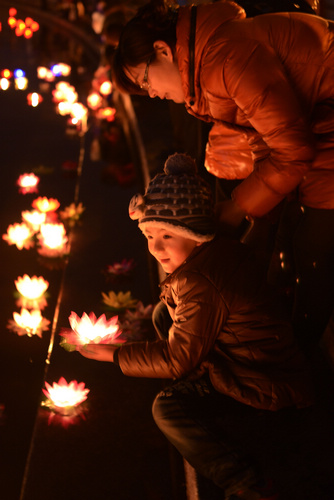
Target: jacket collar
196	251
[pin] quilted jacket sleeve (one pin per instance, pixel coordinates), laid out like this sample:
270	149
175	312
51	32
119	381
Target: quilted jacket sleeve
251	75
199	316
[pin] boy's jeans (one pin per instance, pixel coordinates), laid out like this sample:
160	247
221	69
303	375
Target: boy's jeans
202	424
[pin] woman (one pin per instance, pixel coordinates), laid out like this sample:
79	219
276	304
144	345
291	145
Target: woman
266	84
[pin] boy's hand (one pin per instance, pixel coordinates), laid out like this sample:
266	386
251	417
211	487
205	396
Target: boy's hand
100	352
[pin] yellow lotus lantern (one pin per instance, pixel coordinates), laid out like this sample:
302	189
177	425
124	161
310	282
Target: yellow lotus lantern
119	301
28	183
28	323
63	397
20	235
34	219
44	204
53	240
72	213
32	291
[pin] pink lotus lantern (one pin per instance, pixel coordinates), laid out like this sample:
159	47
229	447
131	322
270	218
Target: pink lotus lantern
122	268
28	183
53	240
20	235
34	219
28	323
63	397
32	291
44	204
90	330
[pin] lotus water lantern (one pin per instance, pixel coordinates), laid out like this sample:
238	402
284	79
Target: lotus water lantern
34	219
32	291
28	183
20	235
45	205
53	240
90	330
63	397
28	323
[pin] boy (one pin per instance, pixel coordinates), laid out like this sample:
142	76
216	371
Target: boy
225	341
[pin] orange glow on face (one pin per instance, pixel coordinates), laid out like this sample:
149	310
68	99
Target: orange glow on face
44	204
64	395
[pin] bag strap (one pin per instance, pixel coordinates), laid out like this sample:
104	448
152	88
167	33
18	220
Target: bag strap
192	36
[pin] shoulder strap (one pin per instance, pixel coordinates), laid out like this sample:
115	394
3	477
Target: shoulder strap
192	36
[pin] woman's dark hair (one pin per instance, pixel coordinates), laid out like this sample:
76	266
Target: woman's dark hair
154	21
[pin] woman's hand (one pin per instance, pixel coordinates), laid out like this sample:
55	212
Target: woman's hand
230	218
100	352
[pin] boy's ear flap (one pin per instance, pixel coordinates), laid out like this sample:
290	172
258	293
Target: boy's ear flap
136	207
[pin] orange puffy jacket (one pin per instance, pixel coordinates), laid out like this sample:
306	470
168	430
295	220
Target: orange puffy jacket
267	84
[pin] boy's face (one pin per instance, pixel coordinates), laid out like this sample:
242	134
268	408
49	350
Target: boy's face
170	249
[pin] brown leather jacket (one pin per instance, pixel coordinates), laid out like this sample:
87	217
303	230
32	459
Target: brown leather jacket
226	323
267	84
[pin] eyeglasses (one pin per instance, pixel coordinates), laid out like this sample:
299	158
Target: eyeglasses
144	84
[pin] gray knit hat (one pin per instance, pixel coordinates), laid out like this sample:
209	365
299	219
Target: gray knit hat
178	200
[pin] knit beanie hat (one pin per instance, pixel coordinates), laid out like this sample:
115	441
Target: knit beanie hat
178	200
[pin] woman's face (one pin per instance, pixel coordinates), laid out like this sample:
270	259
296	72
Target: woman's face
161	77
